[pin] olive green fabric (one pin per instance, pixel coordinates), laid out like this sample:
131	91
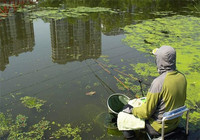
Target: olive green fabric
167	92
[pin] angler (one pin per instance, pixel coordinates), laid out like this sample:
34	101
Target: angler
167	92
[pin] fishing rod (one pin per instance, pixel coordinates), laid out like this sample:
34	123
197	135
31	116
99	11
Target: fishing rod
195	6
101	81
105	69
118	71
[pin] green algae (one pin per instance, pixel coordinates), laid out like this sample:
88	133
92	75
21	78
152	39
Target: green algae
104	56
145	69
70	132
105	60
132	84
36	131
4	124
58	13
195	65
163	13
14	129
18	129
83	9
32	102
182	33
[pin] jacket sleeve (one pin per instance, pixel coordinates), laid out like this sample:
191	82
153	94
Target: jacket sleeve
147	109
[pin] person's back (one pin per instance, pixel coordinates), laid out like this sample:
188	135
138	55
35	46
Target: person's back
167	91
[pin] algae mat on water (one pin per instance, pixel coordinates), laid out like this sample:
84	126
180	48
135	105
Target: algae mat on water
17	129
32	102
182	33
60	13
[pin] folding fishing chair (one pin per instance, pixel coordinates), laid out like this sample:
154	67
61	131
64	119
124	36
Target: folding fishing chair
169	116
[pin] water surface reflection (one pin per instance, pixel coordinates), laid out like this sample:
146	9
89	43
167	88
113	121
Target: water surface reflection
78	41
16	37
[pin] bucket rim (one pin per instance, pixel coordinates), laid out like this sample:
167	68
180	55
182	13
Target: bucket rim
114	95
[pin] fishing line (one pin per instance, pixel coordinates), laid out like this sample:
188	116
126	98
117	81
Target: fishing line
101	81
128	75
102	65
114	76
195	6
117	70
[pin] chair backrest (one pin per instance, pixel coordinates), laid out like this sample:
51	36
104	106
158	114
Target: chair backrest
175	113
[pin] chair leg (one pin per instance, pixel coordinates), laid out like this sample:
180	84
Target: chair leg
163	129
148	136
187	122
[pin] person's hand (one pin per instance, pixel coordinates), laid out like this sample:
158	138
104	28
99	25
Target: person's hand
127	109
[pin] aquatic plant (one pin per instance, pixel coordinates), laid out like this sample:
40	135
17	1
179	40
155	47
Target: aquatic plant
195	65
58	13
82	9
180	32
163	13
69	132
21	121
15	129
132	84
145	69
36	131
4	124
32	102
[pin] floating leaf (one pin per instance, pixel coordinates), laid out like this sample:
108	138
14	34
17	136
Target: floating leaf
90	93
55	13
32	102
68	131
13	129
88	87
4	125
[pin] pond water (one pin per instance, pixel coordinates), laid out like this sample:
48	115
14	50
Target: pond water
61	60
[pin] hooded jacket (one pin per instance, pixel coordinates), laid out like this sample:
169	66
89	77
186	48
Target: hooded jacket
167	91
